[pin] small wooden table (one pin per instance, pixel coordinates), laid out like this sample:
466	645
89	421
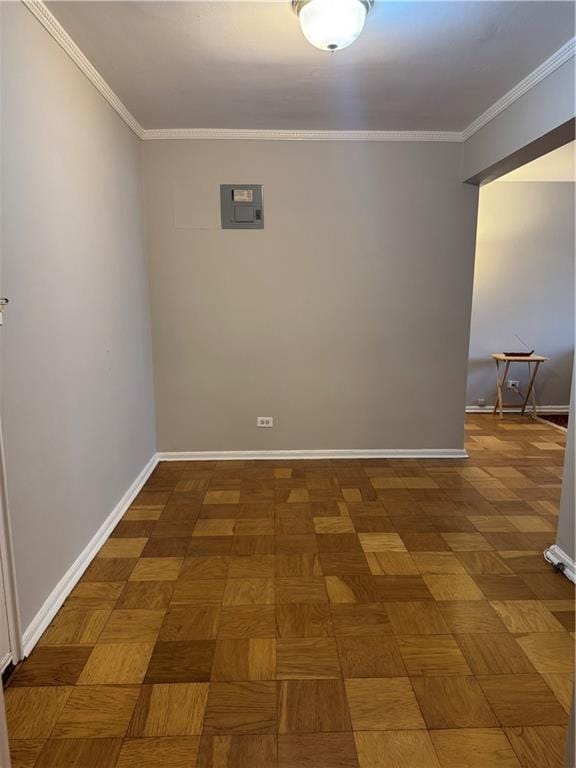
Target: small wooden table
500	357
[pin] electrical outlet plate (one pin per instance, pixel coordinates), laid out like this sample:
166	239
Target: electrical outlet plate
264	421
513	384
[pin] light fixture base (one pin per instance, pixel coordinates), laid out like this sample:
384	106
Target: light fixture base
297	5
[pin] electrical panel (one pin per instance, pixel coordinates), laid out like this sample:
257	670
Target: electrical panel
241	206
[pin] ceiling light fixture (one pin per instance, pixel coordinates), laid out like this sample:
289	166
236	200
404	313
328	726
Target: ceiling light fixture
332	24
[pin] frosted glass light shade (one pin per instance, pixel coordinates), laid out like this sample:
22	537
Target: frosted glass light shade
332	24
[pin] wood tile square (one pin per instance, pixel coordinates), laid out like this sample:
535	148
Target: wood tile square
471	617
117	547
395	749
453	587
466	542
190	622
109	569
52	666
549	651
249	592
299	564
416	618
245	659
352	589
549	586
317	750
334	563
423	542
307	658
96	712
24	752
203	546
504	587
75	627
181	662
149	595
304	620
116	664
207	567
261	526
132	626
361	620
391	564
375	656
310	589
338	542
381	542
214	527
562	685
453	702
177	752
312	706
432	655
402	587
94	595
539	746
176	709
166	547
474	748
522	700
222	497
248	707
79	753
481	563
334	525
530	523
133	529
198	592
383	704
247	621
526	616
243	751
251	566
157	569
494	654
31	713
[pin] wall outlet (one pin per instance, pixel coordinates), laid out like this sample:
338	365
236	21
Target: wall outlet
264	421
513	384
481	401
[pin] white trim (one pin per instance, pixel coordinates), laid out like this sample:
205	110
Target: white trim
5	662
560	409
352	453
273	135
561	56
557	556
53	26
71	577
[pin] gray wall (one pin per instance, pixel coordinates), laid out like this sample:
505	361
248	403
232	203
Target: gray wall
524	284
77	399
346	318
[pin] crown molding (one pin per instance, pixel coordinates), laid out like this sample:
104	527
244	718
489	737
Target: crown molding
53	26
547	67
272	135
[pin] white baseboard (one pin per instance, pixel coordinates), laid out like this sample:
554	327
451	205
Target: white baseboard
557	556
5	661
61	591
352	453
539	409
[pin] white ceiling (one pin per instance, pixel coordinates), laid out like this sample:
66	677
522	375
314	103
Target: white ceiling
558	165
417	66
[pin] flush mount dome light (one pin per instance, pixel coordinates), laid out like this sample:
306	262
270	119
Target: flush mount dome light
332	24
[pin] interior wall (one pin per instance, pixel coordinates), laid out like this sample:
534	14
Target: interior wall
524	285
346	319
77	399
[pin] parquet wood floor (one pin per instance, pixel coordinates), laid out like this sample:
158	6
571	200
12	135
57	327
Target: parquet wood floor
317	614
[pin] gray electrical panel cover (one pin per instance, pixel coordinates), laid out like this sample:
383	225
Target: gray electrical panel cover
241	206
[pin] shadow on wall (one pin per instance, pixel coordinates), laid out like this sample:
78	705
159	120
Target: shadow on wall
550	381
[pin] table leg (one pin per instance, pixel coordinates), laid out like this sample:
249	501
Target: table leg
499	385
531	389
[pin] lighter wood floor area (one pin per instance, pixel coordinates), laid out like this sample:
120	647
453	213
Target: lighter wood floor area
317	614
